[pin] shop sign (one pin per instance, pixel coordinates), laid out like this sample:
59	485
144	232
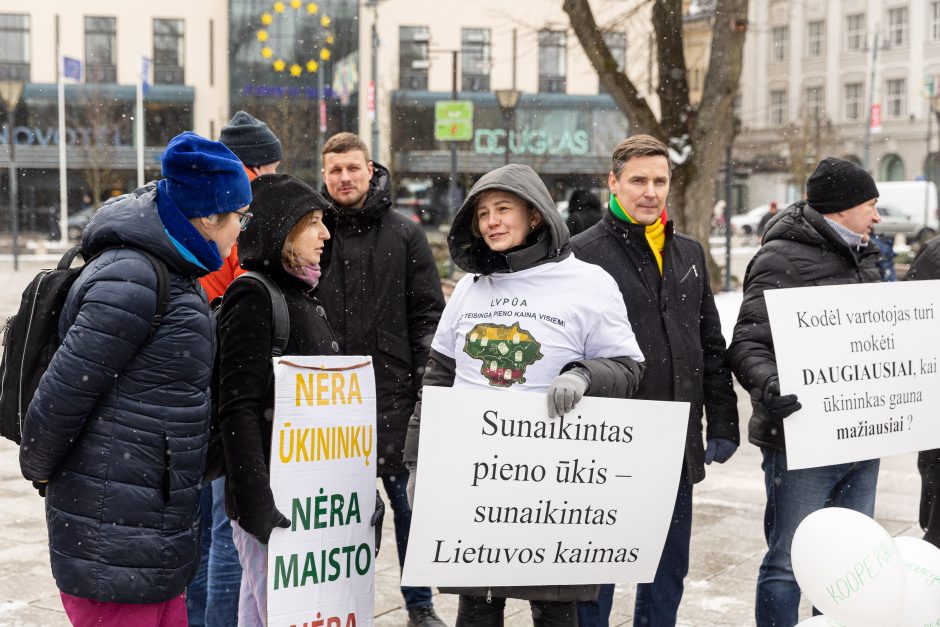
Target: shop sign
530	141
49	136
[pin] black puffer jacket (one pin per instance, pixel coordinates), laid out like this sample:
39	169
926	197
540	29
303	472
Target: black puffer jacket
676	323
384	299
799	249
119	424
246	402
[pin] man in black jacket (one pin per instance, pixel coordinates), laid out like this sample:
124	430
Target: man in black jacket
664	282
383	298
823	241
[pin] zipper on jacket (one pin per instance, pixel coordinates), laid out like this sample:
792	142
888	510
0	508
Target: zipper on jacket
690	271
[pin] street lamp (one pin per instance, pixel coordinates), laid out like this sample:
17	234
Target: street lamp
508	100
10	92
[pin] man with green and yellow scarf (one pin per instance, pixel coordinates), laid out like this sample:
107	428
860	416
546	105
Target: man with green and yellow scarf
664	282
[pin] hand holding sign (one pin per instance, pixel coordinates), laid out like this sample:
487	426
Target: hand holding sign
776	406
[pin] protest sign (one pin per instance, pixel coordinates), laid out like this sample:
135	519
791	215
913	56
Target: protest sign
862	359
321	570
507	496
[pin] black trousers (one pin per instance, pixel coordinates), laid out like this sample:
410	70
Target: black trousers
478	612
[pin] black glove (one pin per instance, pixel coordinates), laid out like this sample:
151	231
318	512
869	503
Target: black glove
778	407
377	517
262	526
41	487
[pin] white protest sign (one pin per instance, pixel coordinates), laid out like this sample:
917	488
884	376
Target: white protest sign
862	359
507	496
322	569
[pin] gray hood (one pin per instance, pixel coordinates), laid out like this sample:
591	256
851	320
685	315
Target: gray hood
547	244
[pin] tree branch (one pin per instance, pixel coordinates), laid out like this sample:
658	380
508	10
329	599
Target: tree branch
673	88
621	88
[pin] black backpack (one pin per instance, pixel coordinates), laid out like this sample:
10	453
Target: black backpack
215	457
31	336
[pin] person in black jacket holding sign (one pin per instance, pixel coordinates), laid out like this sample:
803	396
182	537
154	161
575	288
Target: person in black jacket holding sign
823	241
288	242
663	280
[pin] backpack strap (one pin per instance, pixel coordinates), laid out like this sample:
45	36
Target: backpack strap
279	313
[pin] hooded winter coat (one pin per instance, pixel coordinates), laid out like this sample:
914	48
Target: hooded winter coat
614	369
677	324
119	424
799	249
384	299
246	403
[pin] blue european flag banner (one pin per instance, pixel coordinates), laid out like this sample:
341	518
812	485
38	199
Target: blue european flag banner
145	63
71	68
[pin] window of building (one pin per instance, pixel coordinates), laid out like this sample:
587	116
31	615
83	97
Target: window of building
413	59
778	107
14	47
897	27
853	101
100	49
617	44
475	59
168	52
935	21
896	98
815	38
552	57
815	103
892	168
779	43
855	32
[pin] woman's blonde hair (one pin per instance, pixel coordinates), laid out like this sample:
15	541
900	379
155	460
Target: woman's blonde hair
288	257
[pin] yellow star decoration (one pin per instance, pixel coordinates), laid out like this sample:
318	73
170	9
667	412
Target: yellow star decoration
279	64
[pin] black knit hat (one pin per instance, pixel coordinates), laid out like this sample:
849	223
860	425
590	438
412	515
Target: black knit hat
837	185
251	140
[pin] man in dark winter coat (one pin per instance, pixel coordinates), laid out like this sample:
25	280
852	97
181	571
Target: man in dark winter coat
823	241
926	267
383	298
664	282
584	211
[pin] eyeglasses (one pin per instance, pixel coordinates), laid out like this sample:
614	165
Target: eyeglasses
244	217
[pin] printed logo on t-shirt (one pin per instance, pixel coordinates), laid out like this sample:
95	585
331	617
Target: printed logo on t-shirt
505	352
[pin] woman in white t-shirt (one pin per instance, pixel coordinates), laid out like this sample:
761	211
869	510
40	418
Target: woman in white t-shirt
527	316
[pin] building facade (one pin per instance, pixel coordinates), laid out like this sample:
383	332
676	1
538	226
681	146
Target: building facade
562	124
813	70
187	45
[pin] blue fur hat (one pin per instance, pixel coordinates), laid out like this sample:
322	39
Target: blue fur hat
204	177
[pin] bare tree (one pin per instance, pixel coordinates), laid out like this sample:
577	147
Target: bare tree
697	136
808	140
100	124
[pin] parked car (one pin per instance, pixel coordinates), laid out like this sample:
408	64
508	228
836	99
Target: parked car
78	221
747	223
896	222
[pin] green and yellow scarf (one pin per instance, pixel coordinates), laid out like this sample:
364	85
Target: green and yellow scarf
655	232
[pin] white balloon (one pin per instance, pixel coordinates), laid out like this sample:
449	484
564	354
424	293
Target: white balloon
849	567
922	589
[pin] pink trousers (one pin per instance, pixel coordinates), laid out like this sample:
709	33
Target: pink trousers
89	613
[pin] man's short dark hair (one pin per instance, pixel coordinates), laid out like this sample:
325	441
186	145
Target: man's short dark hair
345	142
637	146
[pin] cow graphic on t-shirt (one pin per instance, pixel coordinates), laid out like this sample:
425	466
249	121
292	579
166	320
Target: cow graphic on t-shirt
505	352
